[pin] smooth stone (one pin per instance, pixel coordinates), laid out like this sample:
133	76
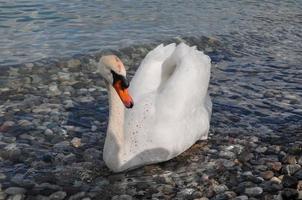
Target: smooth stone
59	195
27	137
76	142
41	110
2	176
220	188
77	196
24	123
253	191
48	132
221	196
276	166
16	197
261	149
241	197
92	154
230	194
19	180
94	128
6	125
271	187
267	175
54	90
298	174
275	180
63	76
167	189
290	169
122	197
299	186
185	193
290	159
11	152
62	146
46	188
73	63
227	154
15	190
289	193
289	181
2	195
300	160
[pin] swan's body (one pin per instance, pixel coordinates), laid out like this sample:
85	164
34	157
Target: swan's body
171	110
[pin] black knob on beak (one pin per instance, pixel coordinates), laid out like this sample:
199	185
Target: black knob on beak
125	82
123	79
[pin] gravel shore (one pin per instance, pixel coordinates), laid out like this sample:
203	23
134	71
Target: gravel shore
53	117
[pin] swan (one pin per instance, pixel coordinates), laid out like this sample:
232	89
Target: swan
169	108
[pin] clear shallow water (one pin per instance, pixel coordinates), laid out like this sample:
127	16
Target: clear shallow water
259	87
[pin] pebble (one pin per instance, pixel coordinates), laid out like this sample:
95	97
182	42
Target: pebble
73	63
261	149
289	159
241	197
63	146
122	197
290	169
76	142
298	174
299	186
253	191
11	152
220	188
267	175
16	197
289	181
276	180
77	196
54	90
59	195
6	125
289	193
276	166
15	190
2	195
2	176
227	154
92	154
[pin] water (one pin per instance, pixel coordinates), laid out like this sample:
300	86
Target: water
258	87
31	30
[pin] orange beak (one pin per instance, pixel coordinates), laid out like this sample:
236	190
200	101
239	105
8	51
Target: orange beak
123	94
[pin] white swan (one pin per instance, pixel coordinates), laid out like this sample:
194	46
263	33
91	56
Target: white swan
171	109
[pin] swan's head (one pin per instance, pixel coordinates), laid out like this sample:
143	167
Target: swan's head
113	71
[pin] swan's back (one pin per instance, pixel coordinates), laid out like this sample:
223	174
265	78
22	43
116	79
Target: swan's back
172	107
147	77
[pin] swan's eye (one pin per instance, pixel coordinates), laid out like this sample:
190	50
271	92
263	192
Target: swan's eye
119	78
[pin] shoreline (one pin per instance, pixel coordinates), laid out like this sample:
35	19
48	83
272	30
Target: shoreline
52	128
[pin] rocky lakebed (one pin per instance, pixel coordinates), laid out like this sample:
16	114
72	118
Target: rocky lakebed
53	118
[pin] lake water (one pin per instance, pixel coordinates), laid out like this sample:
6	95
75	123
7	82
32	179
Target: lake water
54	111
260	86
31	30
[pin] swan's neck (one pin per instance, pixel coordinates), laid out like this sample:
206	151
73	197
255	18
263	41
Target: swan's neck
114	142
116	117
